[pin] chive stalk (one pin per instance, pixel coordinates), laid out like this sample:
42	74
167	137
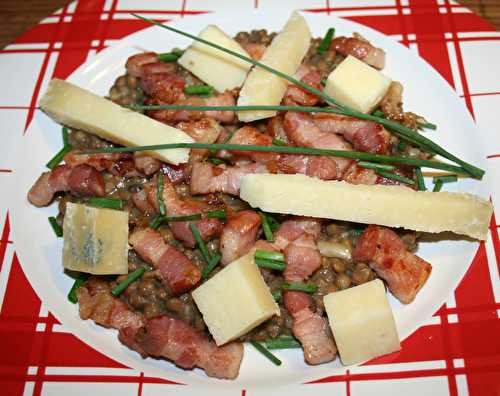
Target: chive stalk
438	184
156	222
211	265
299	286
79	281
169	57
216	161
276	295
199	90
159	194
132	277
201	244
56	227
65	136
420	180
268	233
108	203
395	176
375	166
56	159
283	342
427	125
216	214
266	353
325	43
266	255
271	264
278	142
395	127
446	178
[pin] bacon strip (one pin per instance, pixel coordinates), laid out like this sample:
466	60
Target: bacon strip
404	272
206	130
295	95
239	235
208	228
119	164
81	180
174	340
178	272
360	49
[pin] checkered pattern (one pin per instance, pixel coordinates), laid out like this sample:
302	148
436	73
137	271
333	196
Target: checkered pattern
456	352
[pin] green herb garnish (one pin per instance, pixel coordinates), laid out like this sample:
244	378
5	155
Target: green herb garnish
132	277
56	227
109	203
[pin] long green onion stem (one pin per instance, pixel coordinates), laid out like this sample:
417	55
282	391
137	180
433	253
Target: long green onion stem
56	159
211	265
446	178
201	244
325	43
298	286
397	128
283	342
80	280
65	136
108	203
357	155
56	227
132	277
420	179
266	353
395	176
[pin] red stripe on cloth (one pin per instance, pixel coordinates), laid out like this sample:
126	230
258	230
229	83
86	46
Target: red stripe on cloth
495	239
493	156
479	329
139	388
448	355
124	379
37	390
483	93
104	31
5	170
4	239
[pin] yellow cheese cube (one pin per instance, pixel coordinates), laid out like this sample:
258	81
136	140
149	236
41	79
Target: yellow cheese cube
355	84
78	108
362	322
216	68
95	240
235	300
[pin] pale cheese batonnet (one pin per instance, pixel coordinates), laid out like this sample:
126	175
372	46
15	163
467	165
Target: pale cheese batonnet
355	84
392	206
78	108
212	66
95	240
362	322
285	54
235	300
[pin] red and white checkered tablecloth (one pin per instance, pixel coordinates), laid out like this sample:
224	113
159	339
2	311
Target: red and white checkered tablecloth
457	351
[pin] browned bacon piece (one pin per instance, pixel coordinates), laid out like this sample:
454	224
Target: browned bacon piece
177	271
174	340
404	272
165	87
361	49
136	62
248	135
239	235
206	130
367	136
81	180
177	207
295	95
145	164
119	164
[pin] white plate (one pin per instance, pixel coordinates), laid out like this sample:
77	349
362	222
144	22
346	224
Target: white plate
425	93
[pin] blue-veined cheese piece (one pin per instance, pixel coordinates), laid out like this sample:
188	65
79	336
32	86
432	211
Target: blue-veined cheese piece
95	240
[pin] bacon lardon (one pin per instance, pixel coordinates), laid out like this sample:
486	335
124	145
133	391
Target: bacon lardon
239	235
361	49
177	271
404	272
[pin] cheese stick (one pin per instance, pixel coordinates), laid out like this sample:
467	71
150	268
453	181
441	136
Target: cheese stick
392	206
81	109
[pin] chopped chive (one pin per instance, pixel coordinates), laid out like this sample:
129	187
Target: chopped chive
402	145
278	142
357	155
159	194
56	159
266	353
65	136
216	161
276	295
271	264
168	57
446	179
284	342
80	280
395	127
437	185
323	81
156	222
273	223
427	125
201	244
266	228
325	43
210	266
199	90
216	214
132	277
374	166
56	227
420	180
378	113
195	216
266	255
395	176
109	203
299	286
